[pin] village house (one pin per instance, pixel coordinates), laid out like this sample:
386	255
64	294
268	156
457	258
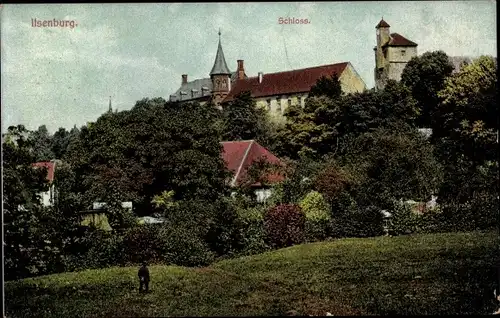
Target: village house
48	197
239	157
273	91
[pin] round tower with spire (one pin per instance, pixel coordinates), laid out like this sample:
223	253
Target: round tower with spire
220	75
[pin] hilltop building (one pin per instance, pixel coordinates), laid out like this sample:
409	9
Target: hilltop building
273	91
392	53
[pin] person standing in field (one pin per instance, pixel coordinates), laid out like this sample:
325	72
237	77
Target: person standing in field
143	277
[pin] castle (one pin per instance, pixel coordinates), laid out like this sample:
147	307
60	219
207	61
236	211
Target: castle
277	91
392	53
274	91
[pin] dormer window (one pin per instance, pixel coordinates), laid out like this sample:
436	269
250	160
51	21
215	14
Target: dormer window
193	92
204	90
183	93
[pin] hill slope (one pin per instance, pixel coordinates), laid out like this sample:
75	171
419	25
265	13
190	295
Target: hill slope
423	274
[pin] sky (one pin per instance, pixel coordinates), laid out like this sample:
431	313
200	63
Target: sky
63	76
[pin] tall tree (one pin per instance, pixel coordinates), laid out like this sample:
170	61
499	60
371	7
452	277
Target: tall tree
42	144
327	126
425	75
327	86
21	203
155	147
243	120
466	132
59	143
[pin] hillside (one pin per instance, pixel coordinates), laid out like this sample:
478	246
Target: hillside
422	274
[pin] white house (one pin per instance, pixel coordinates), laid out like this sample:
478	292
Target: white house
49	196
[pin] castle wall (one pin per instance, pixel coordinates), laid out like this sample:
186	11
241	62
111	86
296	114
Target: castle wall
350	81
398	58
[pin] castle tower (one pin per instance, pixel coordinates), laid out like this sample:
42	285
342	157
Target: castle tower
392	53
220	75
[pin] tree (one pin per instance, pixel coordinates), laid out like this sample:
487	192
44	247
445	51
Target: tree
389	166
425	75
155	147
329	87
465	133
467	118
60	142
42	144
22	208
327	126
243	120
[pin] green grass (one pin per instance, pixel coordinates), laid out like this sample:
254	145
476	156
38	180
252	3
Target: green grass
422	274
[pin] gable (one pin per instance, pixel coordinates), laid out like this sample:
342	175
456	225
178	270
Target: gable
51	167
240	155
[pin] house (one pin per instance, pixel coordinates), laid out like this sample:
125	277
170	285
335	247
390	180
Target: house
49	196
392	53
272	91
97	216
240	155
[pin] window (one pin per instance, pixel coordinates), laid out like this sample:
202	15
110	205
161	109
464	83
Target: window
289	102
268	104
403	52
278	104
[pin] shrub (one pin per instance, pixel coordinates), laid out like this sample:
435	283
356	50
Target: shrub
96	249
251	231
353	220
143	244
317	214
404	220
180	247
284	225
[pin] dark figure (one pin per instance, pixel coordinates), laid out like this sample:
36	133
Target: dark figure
143	277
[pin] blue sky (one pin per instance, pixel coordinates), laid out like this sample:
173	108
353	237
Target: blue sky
63	77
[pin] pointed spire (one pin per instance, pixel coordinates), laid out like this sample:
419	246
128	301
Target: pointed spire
382	24
220	66
110	109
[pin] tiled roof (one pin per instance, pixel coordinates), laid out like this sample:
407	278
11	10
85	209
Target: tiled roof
51	167
197	86
399	40
382	24
239	156
283	83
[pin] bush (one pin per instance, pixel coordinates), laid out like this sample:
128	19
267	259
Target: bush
180	247
284	225
317	214
96	249
251	231
404	220
143	244
354	220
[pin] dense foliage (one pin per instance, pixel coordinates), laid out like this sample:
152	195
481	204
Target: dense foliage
346	159
284	225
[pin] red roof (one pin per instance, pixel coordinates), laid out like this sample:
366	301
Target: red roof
399	40
239	156
282	83
51	167
382	24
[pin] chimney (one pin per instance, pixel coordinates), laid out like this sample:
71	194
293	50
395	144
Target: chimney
241	70
184	78
261	75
